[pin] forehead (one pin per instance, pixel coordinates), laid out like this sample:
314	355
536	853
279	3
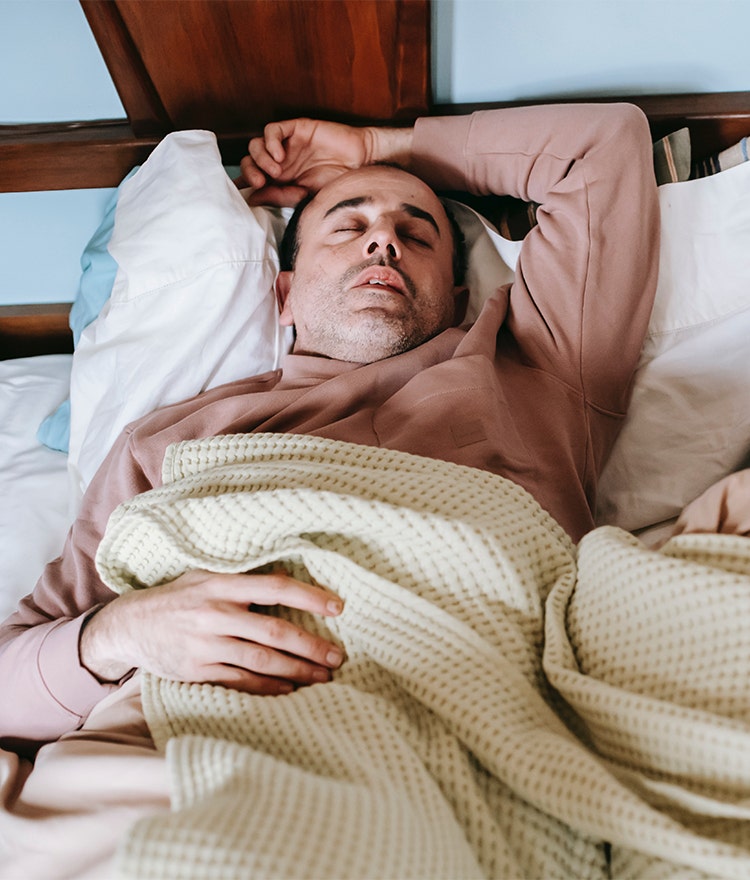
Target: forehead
379	189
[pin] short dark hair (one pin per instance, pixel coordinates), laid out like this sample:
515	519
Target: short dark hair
289	247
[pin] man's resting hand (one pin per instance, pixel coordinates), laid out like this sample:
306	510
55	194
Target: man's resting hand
308	153
203	627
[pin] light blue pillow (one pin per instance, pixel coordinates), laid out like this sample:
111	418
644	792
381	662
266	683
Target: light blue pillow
94	289
99	269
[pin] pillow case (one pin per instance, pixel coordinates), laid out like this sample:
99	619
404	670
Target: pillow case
689	420
491	259
734	155
94	289
192	303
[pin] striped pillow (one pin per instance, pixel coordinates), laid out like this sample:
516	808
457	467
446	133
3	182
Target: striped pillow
728	158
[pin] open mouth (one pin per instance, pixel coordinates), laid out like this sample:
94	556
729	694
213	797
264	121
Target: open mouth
381	285
382	279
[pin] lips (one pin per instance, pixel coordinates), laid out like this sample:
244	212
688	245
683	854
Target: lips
381	278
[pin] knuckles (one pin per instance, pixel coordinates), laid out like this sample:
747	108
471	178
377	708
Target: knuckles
274	630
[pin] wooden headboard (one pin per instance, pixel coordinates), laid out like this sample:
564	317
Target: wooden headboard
231	66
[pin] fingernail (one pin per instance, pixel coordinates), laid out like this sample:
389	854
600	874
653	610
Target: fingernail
321	675
335	657
335	606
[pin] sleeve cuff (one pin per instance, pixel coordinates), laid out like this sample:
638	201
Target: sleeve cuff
69	683
438	151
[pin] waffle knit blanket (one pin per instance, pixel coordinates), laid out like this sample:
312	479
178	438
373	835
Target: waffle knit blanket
509	707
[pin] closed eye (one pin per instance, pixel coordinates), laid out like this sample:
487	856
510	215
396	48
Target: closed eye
418	233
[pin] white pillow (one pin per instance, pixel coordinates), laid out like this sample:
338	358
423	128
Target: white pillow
192	304
34	516
491	259
689	421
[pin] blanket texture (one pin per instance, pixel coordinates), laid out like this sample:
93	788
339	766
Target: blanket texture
509	707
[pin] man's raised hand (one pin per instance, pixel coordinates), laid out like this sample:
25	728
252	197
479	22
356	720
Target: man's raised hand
307	153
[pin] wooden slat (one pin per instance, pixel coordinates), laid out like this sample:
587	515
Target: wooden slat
79	156
413	77
34	329
716	121
139	97
99	155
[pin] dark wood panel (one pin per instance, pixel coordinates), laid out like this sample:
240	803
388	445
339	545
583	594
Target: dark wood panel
716	120
34	329
44	157
81	155
230	65
77	156
48	157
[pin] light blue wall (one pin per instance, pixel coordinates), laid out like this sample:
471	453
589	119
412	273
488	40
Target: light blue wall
50	66
505	50
50	69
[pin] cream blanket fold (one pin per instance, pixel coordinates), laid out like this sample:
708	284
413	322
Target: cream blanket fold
440	749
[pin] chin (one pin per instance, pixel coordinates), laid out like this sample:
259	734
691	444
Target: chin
370	350
366	341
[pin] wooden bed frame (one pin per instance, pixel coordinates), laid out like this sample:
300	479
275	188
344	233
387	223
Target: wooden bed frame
214	64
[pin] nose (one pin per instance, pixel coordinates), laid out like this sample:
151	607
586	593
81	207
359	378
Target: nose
382	238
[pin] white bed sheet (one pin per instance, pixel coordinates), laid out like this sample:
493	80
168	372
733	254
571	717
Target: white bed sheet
34	483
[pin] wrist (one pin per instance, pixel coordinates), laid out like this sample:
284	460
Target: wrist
96	644
390	145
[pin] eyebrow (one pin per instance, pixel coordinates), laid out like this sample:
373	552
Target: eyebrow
411	210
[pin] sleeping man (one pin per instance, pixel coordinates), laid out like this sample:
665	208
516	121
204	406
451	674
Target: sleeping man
534	390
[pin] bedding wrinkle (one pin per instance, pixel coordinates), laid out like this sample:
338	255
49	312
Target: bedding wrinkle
449	594
66	818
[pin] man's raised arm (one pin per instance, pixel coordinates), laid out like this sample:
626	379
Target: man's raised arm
586	277
587	273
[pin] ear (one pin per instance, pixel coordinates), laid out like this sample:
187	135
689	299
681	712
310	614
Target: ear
283	286
461	304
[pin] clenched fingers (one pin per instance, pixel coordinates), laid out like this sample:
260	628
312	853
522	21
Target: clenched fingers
268	590
267	152
272	646
249	682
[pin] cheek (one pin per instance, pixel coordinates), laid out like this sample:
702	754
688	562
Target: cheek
323	273
440	285
309	297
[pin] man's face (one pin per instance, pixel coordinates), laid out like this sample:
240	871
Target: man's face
374	271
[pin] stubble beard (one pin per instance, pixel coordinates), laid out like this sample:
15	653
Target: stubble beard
371	333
